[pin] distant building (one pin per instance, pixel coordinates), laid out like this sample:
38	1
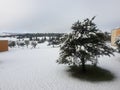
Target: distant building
114	36
3	45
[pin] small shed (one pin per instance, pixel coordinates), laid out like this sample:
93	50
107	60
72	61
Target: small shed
114	35
3	45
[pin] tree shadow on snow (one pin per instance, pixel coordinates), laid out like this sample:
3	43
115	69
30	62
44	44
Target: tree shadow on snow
93	74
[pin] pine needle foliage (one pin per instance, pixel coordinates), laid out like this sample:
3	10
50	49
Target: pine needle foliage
85	43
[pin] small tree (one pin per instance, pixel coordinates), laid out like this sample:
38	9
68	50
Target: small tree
84	43
117	42
27	43
107	36
34	44
11	44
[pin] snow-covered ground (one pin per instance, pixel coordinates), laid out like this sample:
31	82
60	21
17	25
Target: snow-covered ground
36	69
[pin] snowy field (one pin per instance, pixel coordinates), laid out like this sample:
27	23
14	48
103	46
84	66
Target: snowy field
36	69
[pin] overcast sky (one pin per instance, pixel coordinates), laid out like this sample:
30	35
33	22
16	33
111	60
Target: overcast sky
56	15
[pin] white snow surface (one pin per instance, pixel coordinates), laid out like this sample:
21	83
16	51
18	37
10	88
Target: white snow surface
9	39
36	69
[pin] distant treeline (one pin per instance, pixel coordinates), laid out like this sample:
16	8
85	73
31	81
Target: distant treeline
50	35
28	35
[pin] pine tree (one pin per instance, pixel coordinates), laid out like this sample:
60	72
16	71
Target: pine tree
84	43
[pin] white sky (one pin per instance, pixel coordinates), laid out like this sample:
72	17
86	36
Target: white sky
56	15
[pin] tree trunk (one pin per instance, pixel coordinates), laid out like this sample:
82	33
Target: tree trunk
95	62
83	65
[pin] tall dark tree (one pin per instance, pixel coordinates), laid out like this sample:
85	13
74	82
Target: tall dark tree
84	43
